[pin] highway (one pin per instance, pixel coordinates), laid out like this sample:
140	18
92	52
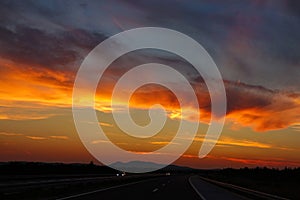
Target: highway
169	187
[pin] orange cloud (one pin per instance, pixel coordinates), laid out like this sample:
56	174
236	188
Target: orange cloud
252	106
296	127
162	143
61	137
105	124
99	141
227	141
10	134
36	138
26	90
259	162
282	112
20	82
211	161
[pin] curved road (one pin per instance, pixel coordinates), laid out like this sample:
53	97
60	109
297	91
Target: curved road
168	187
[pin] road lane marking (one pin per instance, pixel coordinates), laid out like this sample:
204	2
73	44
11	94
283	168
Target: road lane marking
194	187
101	190
155	190
242	189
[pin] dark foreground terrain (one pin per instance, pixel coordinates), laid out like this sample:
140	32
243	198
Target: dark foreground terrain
25	180
283	182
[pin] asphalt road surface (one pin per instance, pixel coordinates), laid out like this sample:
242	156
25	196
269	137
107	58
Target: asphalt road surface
169	187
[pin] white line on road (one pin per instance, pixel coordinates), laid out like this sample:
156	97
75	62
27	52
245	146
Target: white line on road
242	189
155	190
193	186
101	190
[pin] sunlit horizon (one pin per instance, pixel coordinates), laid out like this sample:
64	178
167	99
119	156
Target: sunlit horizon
41	53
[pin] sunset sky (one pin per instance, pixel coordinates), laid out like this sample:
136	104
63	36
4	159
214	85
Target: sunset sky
254	43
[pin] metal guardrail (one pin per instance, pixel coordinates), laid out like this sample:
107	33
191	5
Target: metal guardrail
250	192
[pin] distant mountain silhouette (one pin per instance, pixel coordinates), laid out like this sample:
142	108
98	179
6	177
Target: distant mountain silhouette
139	166
136	166
32	168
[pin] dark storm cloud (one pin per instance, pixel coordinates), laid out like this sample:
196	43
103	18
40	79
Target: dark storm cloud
293	6
30	34
241	96
34	47
256	42
37	48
